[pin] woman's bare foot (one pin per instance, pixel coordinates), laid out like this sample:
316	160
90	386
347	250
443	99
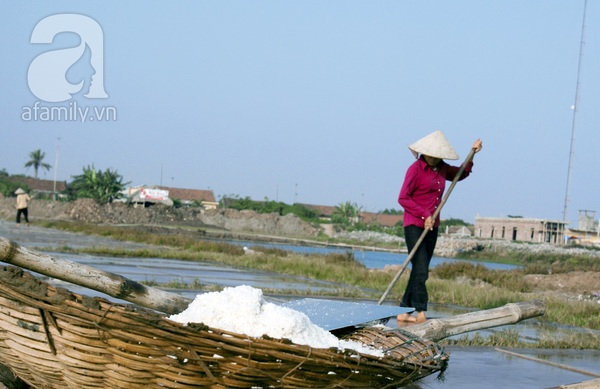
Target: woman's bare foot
406	318
420	317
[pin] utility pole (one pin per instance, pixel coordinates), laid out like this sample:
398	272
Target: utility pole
574	107
296	193
55	169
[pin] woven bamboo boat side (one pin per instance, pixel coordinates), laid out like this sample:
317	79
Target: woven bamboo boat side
53	338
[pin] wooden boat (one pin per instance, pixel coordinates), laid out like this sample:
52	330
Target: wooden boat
51	337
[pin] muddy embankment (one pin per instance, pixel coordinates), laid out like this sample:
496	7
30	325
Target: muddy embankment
229	223
225	220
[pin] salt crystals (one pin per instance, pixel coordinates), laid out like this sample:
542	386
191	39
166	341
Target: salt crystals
243	310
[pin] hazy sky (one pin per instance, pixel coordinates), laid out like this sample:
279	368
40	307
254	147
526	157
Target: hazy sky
310	101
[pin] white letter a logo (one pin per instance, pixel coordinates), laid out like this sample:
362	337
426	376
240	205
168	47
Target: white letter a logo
47	72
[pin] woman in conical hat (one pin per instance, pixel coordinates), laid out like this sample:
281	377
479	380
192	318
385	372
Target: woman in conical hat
22	204
420	195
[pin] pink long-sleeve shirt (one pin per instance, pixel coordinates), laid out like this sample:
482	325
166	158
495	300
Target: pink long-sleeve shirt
423	189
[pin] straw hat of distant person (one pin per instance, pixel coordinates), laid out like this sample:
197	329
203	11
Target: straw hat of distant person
19	191
434	145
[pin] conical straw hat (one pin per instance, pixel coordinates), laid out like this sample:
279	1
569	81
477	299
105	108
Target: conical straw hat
19	191
434	145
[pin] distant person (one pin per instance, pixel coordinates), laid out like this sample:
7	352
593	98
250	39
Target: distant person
22	204
420	195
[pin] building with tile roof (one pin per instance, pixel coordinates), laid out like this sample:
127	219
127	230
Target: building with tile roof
37	185
189	196
325	212
149	194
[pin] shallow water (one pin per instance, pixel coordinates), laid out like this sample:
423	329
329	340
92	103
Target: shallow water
468	367
160	270
372	259
477	368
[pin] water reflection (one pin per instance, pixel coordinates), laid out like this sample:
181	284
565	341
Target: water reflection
370	258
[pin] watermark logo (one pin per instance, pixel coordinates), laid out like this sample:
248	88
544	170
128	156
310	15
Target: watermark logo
47	74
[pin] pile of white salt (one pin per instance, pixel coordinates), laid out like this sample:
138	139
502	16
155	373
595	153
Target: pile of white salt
243	310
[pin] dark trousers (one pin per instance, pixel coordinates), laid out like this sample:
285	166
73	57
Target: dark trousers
24	212
416	295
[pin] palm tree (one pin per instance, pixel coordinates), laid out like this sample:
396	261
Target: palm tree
36	158
346	213
104	187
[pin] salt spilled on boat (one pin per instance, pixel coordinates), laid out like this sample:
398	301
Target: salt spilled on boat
244	310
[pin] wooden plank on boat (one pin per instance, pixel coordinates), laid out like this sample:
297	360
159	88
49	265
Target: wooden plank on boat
438	329
333	315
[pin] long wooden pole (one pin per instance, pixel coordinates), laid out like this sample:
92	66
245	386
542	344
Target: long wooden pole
438	329
109	283
592	384
422	237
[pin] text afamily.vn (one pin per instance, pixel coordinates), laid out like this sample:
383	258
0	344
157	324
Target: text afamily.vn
72	113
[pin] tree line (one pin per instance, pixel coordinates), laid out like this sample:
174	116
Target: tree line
102	186
108	185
